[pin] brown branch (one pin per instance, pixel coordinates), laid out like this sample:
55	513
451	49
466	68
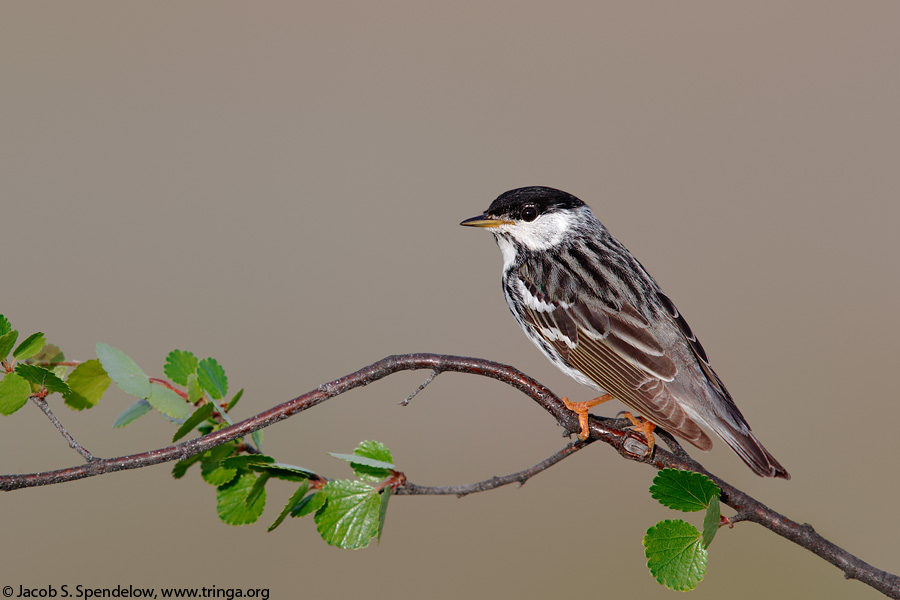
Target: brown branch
628	444
410	489
73	444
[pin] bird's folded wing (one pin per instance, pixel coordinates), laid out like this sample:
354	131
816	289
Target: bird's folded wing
711	376
618	351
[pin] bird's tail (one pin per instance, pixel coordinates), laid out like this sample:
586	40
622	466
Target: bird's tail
751	451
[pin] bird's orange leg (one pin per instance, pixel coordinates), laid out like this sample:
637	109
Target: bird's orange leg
644	426
581	409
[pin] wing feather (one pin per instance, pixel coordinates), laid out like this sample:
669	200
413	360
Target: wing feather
618	351
711	376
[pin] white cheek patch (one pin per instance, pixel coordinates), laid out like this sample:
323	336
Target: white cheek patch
543	233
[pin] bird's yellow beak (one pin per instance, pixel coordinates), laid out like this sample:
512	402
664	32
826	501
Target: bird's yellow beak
485	221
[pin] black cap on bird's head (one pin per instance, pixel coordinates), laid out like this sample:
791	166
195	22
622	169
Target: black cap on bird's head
524	204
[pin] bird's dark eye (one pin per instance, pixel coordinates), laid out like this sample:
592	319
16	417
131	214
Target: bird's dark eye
529	213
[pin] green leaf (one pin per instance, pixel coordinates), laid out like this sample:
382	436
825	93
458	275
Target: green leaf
232	501
711	522
5	328
194	391
371	461
87	384
42	377
295	499
675	555
382	513
309	505
180	364
245	460
31	346
225	417
215	475
48	354
258	488
210	466
349	518
361	460
168	402
124	371
211	377
14	393
181	467
375	451
198	416
234	400
257	437
283	471
133	413
683	490
7	341
59	370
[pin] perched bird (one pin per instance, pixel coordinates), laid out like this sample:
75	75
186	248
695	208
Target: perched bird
593	310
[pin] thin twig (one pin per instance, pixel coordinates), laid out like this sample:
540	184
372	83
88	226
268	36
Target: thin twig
164	383
411	489
425	383
42	404
625	442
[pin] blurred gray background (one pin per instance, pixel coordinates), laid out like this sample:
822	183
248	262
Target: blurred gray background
279	185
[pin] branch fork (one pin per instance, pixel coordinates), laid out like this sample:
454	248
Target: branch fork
628	443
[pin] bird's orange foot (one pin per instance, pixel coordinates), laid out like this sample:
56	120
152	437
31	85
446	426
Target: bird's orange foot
581	409
643	426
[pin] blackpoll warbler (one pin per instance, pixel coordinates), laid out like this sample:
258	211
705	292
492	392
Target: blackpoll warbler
593	310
